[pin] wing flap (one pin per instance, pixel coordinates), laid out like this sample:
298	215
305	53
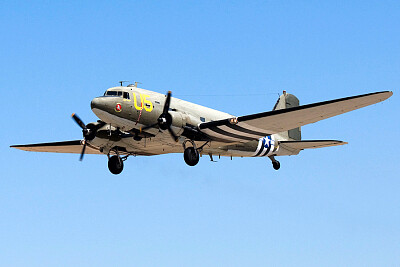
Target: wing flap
58	147
266	123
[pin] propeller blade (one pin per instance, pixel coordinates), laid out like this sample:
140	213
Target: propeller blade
167	102
78	121
83	151
173	134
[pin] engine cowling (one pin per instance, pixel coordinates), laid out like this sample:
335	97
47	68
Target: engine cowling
178	121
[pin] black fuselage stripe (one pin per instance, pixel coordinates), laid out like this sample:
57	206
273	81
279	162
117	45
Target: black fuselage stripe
266	153
220	131
244	130
261	150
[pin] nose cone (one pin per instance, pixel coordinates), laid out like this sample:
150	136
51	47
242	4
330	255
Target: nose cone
98	103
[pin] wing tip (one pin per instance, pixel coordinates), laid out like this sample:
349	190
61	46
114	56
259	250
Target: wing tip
385	94
20	147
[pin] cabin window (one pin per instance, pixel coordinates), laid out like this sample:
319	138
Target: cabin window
126	95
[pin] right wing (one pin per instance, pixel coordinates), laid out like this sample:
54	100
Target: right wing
255	126
74	146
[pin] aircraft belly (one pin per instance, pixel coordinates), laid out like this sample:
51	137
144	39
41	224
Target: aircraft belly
161	144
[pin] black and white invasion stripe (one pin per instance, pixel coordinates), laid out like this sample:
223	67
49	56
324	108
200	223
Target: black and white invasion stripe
240	132
266	146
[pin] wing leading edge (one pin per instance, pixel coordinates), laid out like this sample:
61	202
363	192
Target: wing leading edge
254	126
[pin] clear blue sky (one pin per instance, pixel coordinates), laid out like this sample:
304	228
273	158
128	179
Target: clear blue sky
329	207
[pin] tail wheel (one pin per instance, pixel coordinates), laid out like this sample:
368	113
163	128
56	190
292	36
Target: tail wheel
191	156
276	165
115	165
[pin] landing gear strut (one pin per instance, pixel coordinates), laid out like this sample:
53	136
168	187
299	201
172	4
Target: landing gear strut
115	164
275	164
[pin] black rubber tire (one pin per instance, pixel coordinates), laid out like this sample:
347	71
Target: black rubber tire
191	156
276	165
115	165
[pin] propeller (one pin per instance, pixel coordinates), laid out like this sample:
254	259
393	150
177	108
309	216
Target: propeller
88	134
164	121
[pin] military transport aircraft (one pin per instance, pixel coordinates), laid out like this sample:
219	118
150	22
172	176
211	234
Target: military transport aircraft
138	122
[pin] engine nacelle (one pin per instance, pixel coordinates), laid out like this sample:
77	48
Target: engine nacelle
178	121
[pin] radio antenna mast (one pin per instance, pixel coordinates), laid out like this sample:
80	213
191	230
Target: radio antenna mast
136	83
121	82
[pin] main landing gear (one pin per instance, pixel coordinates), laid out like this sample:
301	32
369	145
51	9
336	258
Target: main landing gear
116	163
191	154
275	164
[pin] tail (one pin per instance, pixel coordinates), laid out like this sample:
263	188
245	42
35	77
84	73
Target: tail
288	101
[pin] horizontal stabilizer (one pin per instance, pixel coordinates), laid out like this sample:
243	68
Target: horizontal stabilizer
305	144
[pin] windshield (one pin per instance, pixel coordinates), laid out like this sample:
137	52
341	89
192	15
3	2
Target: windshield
117	93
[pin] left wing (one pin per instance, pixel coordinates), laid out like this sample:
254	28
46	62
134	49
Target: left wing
255	126
74	146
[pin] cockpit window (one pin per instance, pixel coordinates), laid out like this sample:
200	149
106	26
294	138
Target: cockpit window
113	93
117	93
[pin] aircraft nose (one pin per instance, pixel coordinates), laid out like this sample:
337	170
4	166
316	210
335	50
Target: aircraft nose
98	103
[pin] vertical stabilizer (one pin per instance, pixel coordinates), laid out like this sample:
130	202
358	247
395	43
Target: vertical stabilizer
289	101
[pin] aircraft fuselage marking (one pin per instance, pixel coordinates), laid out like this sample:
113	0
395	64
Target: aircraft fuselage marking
144	102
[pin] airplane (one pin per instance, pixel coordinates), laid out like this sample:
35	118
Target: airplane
138	122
